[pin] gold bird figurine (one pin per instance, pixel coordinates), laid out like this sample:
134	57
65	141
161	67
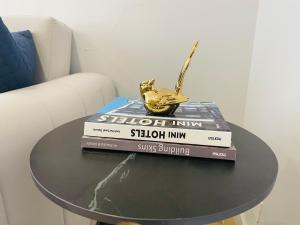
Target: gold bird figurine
165	101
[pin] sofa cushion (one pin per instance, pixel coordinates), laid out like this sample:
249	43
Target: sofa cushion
17	59
53	44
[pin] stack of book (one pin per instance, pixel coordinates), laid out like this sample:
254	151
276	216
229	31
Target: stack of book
197	129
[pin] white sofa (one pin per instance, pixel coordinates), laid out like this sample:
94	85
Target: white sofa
29	113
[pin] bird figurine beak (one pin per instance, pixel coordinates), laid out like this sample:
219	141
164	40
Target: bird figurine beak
152	82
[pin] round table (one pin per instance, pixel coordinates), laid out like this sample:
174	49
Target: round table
115	186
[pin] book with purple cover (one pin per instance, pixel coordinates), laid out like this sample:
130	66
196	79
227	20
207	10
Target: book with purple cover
153	147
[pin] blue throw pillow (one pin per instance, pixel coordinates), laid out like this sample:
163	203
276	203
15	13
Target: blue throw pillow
17	59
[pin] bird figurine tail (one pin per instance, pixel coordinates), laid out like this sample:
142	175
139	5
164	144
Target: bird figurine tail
179	83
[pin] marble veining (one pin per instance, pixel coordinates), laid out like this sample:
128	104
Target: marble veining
94	202
124	175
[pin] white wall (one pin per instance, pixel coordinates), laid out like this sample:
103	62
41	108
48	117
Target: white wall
273	102
133	40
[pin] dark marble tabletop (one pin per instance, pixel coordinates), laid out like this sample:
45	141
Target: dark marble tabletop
151	189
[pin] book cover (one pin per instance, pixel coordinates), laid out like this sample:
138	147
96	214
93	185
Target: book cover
159	148
193	123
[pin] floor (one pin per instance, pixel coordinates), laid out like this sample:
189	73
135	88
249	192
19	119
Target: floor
229	221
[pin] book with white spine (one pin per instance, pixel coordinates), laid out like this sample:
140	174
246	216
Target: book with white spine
198	123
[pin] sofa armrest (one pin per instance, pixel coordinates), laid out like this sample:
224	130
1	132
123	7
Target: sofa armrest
25	116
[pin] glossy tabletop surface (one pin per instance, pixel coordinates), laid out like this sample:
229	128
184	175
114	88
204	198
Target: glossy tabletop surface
151	189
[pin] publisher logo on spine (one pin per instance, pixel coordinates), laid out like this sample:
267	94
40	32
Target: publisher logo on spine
215	138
